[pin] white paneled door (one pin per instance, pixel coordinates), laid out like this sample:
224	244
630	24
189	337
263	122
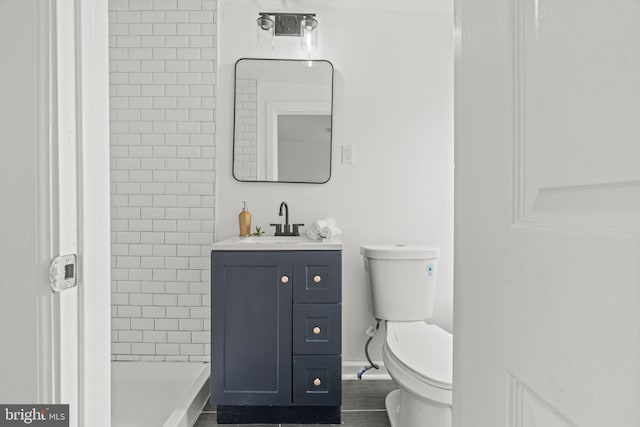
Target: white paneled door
547	234
26	236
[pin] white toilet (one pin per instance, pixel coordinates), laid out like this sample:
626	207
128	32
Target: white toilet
418	356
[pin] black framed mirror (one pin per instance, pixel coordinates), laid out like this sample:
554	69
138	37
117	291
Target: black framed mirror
282	128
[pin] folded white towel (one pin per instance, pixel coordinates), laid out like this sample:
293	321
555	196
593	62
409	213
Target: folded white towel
322	223
328	232
312	234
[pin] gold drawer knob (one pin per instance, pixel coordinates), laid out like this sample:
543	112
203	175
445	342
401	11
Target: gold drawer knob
316	330
284	279
317	278
317	382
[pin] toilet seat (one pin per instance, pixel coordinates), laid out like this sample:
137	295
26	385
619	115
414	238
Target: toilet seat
420	356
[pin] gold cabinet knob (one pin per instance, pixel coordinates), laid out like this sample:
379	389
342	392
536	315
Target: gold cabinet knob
317	278
316	330
317	382
284	279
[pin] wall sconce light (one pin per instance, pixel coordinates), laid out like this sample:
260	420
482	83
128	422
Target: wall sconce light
265	31
309	34
303	25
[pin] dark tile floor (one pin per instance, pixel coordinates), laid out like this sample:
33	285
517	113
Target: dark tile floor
362	406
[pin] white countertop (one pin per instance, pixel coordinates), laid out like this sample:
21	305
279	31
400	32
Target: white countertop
279	243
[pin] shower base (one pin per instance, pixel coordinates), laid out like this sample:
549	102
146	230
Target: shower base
158	394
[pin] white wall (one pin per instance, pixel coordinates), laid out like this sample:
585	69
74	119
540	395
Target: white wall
393	101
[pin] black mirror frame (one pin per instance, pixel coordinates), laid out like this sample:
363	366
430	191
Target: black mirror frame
233	151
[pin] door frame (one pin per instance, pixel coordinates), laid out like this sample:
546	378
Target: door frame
94	211
80	164
270	144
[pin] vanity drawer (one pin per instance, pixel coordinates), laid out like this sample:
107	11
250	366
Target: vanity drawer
317	277
317	380
317	328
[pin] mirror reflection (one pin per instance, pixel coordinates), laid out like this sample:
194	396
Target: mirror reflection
282	120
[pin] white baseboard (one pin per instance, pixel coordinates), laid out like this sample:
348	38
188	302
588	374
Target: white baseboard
350	371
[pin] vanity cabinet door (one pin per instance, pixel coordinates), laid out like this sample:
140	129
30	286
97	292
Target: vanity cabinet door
317	277
251	329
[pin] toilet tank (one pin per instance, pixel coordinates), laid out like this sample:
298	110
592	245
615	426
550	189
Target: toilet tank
401	280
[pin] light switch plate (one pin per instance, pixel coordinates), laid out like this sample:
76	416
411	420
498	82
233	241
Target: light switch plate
347	154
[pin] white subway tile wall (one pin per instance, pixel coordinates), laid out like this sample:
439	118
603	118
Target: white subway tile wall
162	86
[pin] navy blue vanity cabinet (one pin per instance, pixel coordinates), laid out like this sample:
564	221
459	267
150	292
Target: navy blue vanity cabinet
276	336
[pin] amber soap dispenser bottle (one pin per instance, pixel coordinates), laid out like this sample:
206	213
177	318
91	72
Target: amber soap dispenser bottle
244	219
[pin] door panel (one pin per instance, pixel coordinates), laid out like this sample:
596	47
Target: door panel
580	67
251	332
26	318
547	214
576	79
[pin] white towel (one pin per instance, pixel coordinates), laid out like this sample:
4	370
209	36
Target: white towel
322	223
312	234
328	232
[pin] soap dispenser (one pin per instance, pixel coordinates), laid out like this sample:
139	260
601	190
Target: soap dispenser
244	220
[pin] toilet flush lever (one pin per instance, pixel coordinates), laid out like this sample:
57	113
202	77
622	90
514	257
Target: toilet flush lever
63	272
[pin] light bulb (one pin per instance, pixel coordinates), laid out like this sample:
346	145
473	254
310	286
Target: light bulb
264	35
308	34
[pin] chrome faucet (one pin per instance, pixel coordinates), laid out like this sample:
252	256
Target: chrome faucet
289	229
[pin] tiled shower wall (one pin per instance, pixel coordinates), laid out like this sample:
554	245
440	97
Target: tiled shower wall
162	82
